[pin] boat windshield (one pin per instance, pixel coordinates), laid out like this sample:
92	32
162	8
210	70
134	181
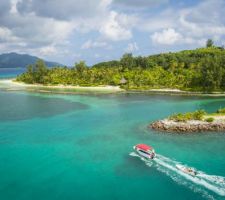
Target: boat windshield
144	151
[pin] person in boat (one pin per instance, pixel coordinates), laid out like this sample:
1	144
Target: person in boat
190	171
152	155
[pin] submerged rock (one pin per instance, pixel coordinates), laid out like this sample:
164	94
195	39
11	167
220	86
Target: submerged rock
188	126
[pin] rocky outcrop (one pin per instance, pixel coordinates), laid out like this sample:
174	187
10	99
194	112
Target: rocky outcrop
189	126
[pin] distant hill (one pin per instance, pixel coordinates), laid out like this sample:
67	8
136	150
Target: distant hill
13	60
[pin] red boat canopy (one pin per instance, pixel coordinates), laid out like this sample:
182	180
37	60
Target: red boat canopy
144	147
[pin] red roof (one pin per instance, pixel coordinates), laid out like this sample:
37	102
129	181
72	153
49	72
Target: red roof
144	147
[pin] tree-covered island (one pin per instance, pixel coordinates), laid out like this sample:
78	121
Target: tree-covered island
201	69
197	121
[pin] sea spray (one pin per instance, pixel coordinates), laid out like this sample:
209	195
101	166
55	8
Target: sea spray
166	165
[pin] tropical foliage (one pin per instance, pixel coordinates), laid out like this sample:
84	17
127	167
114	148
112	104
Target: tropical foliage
201	69
221	111
197	115
209	119
183	117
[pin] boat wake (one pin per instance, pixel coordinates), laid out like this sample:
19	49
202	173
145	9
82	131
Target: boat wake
205	182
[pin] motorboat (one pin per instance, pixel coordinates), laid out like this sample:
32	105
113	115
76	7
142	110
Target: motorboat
187	170
145	151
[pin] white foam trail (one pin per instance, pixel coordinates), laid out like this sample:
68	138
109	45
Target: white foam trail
210	178
134	154
196	180
143	159
213	183
214	179
180	180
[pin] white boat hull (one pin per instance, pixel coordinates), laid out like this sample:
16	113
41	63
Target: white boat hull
186	170
144	154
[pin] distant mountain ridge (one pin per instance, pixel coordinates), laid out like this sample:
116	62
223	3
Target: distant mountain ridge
14	60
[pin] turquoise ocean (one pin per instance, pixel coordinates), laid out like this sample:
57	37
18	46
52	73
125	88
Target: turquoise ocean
10	72
80	146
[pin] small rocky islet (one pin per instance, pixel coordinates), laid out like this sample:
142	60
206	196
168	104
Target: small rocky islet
198	121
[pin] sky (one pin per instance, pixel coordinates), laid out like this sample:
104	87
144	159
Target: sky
68	31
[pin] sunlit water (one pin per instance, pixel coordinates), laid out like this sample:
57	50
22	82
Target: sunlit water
80	147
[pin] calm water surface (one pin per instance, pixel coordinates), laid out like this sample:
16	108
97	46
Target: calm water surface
78	147
10	72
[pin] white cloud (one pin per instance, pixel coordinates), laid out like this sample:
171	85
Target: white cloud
13	8
49	50
131	47
140	3
172	37
63	10
93	44
6	35
47	27
41	23
26	33
166	37
190	26
198	28
116	27
203	21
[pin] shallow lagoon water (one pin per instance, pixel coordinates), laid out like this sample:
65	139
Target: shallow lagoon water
78	147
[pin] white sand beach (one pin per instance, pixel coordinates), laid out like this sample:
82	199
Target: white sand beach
12	84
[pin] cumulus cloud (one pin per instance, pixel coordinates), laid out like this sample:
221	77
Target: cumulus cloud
140	3
45	27
167	37
6	35
132	47
191	26
28	32
207	12
37	32
42	23
116	27
196	22
48	50
93	44
63	10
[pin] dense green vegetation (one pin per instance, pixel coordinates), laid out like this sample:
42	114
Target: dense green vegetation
221	111
183	117
200	70
209	119
197	115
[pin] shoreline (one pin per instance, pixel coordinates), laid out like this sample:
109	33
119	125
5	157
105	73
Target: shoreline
12	85
190	126
20	85
168	91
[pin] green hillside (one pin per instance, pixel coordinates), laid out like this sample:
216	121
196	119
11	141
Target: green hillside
200	69
14	60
